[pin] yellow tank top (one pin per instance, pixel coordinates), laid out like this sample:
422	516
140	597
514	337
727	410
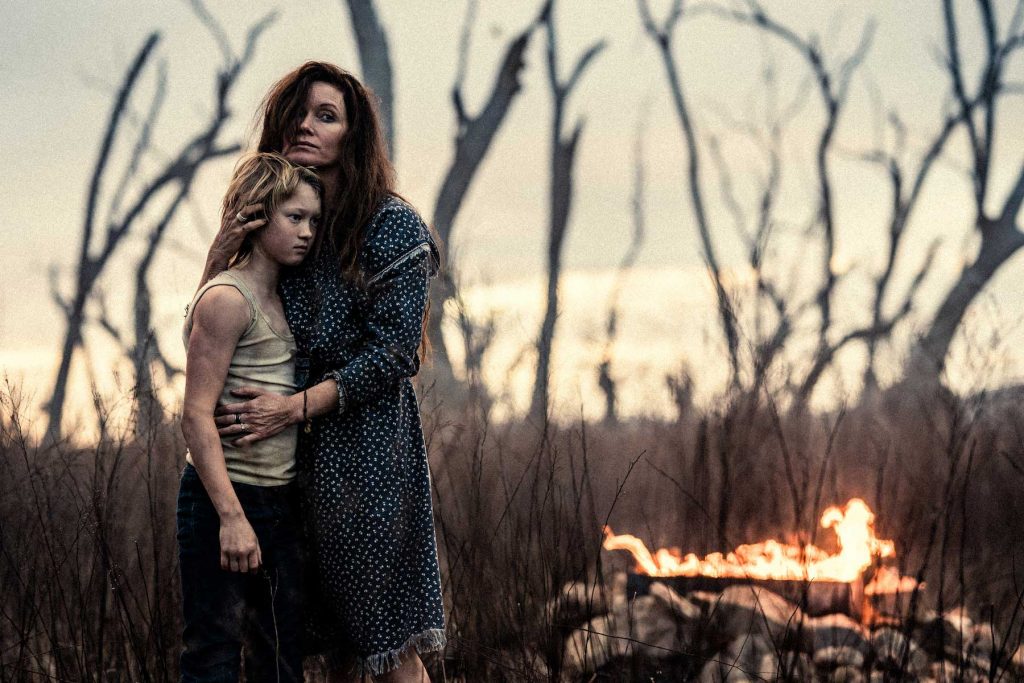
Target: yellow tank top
263	358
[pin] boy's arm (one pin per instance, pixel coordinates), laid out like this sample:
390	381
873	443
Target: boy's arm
220	318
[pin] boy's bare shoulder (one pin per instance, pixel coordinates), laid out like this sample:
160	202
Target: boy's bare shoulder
222	311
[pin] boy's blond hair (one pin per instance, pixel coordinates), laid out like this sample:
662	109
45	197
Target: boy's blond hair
267	179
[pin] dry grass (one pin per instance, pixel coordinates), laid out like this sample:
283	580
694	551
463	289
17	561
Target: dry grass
89	559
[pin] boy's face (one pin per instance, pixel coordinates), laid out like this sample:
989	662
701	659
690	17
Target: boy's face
289	234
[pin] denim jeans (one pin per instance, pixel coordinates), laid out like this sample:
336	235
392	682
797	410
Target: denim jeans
225	610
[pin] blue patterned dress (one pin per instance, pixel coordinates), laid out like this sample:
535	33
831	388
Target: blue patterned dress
364	467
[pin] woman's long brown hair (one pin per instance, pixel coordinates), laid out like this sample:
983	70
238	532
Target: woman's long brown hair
366	175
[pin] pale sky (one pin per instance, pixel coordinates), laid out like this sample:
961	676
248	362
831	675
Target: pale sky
63	61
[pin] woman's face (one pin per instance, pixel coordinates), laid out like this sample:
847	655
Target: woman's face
317	140
289	234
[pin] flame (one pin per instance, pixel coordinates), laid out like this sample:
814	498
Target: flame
853	524
888	580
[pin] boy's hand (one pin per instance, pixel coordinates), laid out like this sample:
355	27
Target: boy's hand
239	547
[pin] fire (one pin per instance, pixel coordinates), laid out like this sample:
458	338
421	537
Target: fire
853	525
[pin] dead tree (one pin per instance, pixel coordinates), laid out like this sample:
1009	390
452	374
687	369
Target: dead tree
605	381
563	157
1000	236
473	138
477	337
175	175
906	187
89	266
375	60
975	112
662	37
773	313
832	85
146	350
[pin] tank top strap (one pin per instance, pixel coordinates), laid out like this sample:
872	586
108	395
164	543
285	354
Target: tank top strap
254	306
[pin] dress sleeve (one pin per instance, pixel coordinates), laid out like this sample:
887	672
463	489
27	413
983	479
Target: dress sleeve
399	259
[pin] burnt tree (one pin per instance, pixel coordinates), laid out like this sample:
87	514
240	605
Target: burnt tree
605	381
832	85
473	137
375	62
975	114
829	78
662	36
175	176
563	157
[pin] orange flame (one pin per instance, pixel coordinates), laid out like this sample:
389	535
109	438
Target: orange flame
853	524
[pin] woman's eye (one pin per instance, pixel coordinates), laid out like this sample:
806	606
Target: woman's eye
326	117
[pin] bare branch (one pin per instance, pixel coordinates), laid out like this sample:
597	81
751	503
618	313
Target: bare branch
956	77
220	37
142	142
474	135
849	65
252	36
463	60
728	194
116	115
637	203
1000	236
563	157
662	34
662	38
53	274
106	322
583	62
1013	202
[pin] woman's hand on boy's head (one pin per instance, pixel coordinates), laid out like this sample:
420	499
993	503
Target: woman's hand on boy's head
234	227
263	415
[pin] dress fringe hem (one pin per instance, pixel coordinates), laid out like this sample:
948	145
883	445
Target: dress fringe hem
430	640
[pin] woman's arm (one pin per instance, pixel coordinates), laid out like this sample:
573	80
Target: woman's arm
402	258
220	318
395	326
266	414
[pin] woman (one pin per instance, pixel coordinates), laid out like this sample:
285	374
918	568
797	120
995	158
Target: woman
357	308
238	517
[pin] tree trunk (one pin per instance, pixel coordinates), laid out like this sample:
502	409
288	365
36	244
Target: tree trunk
375	60
72	341
563	155
999	241
472	142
